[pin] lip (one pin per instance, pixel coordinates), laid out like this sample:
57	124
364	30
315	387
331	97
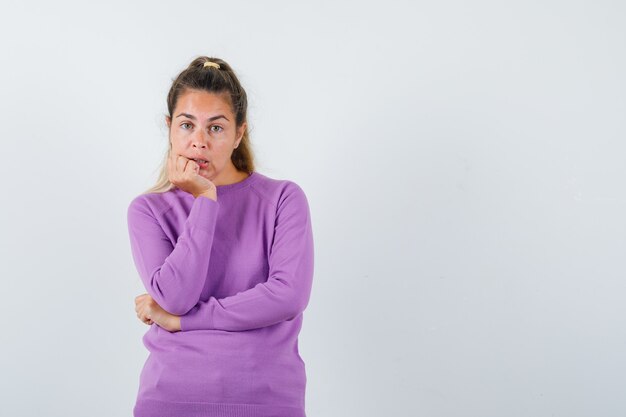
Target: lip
200	157
203	165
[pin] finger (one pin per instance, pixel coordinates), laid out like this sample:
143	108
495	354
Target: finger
181	163
172	162
192	167
142	312
144	318
175	173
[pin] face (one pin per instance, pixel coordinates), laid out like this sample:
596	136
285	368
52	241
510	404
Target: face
203	126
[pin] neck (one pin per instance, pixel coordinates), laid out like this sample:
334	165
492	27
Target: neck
231	177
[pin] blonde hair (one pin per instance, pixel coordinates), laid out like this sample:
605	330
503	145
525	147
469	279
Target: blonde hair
202	74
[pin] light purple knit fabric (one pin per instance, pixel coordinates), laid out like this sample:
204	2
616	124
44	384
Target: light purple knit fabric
239	272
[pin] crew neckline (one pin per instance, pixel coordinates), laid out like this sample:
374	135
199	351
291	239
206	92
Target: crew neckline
227	188
221	189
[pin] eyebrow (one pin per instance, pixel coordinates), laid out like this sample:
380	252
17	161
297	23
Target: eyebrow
210	119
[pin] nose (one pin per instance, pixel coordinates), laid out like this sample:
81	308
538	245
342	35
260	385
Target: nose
200	140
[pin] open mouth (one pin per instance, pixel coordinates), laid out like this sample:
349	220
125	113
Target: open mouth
202	162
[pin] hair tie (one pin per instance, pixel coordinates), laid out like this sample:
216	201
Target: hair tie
211	64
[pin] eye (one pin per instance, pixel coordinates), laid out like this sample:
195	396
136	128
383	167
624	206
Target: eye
185	123
220	127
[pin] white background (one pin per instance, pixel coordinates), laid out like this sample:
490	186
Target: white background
464	163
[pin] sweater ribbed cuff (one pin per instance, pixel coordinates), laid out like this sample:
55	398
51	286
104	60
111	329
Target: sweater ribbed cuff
198	320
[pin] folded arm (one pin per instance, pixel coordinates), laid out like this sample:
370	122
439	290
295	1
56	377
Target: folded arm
286	292
173	275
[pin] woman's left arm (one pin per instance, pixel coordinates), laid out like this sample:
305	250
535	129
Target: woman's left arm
286	292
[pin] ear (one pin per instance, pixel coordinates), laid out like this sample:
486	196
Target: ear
240	132
168	120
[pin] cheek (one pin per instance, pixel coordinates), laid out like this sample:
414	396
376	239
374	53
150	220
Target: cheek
174	148
221	152
178	143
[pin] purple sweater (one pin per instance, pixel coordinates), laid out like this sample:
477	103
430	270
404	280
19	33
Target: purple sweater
239	272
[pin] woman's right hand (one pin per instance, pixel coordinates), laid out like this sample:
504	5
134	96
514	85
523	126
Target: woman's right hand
184	173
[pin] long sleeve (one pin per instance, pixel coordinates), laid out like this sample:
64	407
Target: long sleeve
286	292
173	275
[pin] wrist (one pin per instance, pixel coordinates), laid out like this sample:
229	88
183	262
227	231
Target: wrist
175	323
212	196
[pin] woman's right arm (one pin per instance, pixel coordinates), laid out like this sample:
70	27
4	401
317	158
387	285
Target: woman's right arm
173	275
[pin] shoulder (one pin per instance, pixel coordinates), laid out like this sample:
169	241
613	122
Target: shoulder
279	191
154	204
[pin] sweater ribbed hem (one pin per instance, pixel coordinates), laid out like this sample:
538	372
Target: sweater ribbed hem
156	408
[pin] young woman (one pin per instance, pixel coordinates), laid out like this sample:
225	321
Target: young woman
226	256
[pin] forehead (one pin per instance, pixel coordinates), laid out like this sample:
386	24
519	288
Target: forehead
202	103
